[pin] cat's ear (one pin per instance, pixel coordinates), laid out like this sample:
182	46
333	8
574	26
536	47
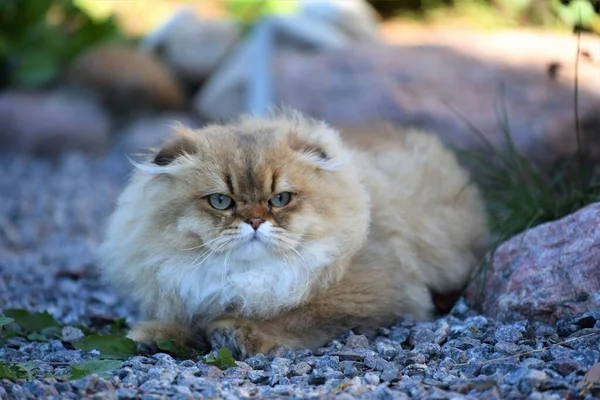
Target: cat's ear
181	143
320	146
162	161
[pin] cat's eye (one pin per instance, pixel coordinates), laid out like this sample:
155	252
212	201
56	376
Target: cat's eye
220	201
281	199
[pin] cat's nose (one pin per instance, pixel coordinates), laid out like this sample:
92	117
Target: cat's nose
255	222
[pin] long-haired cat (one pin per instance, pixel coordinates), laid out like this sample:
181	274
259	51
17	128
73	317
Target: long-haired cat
279	231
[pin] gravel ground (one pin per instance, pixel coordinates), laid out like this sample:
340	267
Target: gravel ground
51	219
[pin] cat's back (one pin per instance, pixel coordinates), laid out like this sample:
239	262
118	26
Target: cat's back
424	207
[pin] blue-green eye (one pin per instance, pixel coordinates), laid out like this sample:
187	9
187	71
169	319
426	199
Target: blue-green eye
220	201
281	199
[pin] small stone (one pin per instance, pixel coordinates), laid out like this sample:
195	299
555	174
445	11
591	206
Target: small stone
353	354
478	321
533	363
316	379
70	334
187	364
257	361
399	334
356	342
427	349
500	367
349	368
565	366
258	376
416	370
279	366
125	394
377	363
372	378
165	358
211	372
390	374
421	335
506	348
333	375
509	333
441	332
463	343
387	349
532	380
327	363
457	355
235	373
481	352
302	368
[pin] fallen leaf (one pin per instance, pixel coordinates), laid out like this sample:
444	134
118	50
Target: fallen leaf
99	367
110	346
32	322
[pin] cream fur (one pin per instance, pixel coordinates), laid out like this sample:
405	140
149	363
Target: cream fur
387	217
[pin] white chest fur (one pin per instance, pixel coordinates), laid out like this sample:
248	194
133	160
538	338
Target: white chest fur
257	288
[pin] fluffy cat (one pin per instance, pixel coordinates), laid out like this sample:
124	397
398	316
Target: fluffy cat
279	231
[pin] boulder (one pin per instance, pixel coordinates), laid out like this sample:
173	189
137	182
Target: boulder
192	47
428	85
126	79
548	273
50	123
150	131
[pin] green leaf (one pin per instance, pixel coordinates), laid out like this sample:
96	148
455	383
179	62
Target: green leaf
37	337
32	322
6	321
14	371
223	360
170	347
110	346
99	367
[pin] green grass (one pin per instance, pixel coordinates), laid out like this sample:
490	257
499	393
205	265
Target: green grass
518	194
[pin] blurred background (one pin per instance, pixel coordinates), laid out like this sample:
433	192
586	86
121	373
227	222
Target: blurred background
89	75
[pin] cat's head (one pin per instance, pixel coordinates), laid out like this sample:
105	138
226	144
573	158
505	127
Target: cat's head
283	186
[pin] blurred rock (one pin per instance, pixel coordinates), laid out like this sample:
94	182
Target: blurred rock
244	81
50	123
150	131
421	85
545	274
190	46
126	79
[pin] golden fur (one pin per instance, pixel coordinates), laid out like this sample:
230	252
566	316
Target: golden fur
378	221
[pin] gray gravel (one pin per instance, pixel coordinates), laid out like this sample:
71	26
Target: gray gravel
52	215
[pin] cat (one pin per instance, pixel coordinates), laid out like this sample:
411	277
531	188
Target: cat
281	231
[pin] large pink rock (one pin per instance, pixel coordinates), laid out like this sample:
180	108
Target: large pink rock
549	272
419	85
52	122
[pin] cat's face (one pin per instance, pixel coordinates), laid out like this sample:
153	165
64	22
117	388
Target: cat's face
255	190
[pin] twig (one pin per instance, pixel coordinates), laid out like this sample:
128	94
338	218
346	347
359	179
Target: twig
531	351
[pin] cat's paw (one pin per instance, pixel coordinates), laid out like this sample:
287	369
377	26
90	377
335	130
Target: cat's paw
147	333
242	337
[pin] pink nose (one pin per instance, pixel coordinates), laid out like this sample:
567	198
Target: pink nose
255	222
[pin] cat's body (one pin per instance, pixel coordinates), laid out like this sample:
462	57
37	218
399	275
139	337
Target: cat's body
365	236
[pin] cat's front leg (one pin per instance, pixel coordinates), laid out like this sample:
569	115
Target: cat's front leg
240	335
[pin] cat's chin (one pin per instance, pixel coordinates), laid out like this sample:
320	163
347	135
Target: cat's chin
251	250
